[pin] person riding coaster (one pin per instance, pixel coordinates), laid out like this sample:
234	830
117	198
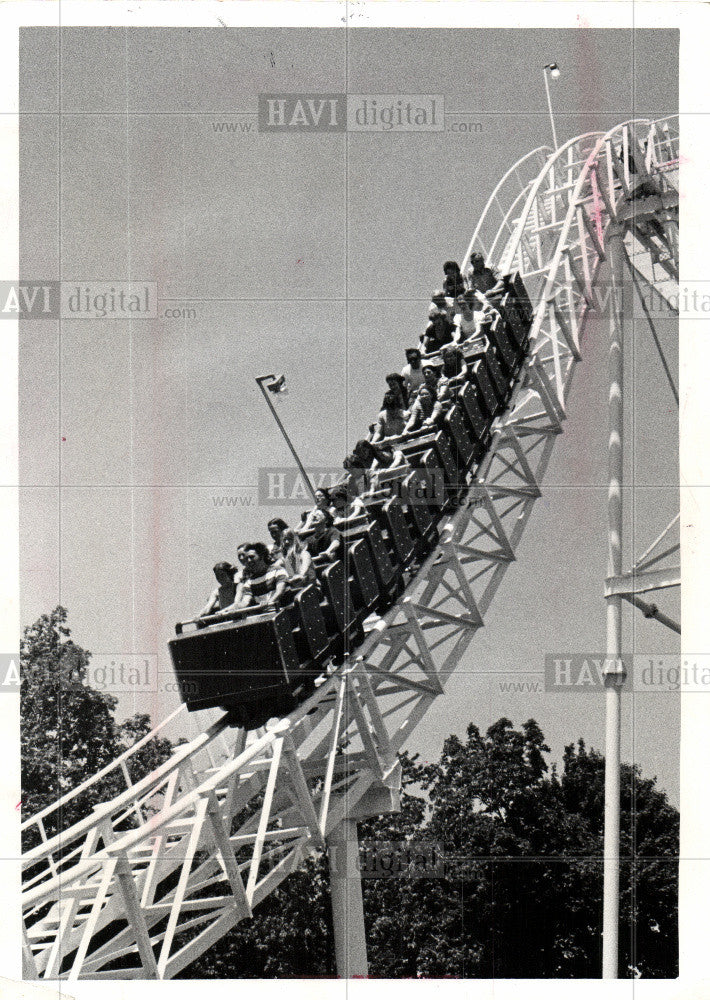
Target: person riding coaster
323	502
454	284
325	543
347	505
396	384
291	552
412	373
439	332
422	408
224	594
391	419
263	584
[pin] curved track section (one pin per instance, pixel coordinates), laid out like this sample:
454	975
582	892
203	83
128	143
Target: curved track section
151	879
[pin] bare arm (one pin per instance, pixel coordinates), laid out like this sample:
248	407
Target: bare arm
210	606
412	423
491	310
278	591
357	507
438	413
242	598
378	432
305	562
331	553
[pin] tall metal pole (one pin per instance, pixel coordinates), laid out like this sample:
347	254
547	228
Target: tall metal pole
260	382
343	851
346	901
614	673
549	106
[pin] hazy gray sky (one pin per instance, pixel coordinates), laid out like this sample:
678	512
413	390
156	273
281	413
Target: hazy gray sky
314	255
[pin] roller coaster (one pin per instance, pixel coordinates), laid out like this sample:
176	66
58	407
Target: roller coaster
147	882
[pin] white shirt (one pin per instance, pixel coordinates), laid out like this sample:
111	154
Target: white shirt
413	378
468	327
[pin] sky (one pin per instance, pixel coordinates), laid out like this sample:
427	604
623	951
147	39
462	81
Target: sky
314	255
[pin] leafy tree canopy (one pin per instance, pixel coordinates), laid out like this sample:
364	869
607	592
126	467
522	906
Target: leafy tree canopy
519	893
68	730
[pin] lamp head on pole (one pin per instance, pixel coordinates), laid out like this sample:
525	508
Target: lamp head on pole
277	385
554	70
274	383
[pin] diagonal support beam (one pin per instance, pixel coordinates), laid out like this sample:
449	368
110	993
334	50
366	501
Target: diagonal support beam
369	699
192	843
427	661
651	611
133	910
334	740
550	399
525	471
300	786
651	554
264	817
222	842
566	330
640	583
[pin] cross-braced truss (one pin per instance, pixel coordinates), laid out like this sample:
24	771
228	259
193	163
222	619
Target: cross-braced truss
151	879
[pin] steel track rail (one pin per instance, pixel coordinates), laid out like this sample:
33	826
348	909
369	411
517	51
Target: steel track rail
150	880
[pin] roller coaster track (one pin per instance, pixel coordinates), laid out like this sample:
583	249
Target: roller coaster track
148	881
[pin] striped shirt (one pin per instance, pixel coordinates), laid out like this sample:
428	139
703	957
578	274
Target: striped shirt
260	588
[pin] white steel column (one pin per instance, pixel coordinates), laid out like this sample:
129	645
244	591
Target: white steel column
614	678
346	901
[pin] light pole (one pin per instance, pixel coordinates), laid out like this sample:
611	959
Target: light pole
614	673
275	385
554	71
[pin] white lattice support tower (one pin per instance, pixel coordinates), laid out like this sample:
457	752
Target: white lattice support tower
209	834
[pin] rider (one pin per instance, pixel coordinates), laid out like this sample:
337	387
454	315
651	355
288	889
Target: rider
265	580
412	373
224	593
295	558
325	540
391	419
422	408
277	526
323	502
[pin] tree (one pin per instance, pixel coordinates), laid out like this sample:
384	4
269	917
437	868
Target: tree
518	890
68	730
520	894
291	935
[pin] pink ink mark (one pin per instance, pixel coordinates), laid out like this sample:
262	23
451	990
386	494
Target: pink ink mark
18	804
